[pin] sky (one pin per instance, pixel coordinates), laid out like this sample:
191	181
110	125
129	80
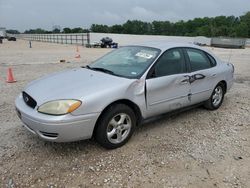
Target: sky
30	14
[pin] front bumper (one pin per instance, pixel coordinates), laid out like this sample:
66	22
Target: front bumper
65	128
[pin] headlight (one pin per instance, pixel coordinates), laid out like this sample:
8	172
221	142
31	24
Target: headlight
59	107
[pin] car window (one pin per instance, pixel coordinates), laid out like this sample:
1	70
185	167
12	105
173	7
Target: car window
198	60
171	62
212	60
129	61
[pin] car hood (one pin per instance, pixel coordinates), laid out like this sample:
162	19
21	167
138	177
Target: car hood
73	84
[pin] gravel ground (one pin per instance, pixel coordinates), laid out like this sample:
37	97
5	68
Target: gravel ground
196	148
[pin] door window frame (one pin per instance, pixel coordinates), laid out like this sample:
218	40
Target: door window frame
182	53
188	64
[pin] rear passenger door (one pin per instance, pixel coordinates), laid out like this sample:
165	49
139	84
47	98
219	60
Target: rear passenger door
202	74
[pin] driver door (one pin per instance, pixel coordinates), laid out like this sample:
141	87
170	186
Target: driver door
167	85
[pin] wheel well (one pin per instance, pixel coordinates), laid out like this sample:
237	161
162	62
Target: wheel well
224	83
127	102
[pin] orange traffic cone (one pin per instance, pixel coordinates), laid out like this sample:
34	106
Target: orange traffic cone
10	77
77	52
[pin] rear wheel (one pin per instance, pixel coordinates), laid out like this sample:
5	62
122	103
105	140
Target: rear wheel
115	126
216	99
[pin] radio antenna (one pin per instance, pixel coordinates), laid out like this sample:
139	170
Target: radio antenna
230	55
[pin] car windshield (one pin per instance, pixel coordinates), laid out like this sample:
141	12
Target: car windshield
129	61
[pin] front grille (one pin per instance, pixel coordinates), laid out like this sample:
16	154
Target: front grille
51	135
29	100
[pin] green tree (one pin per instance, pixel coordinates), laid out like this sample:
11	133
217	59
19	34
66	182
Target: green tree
162	28
116	29
99	28
66	30
36	31
12	31
179	28
210	27
56	30
77	30
246	19
204	31
137	27
242	30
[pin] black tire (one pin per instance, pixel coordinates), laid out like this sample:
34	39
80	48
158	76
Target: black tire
104	126
210	104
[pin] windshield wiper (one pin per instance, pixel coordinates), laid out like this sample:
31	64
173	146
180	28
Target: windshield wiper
101	69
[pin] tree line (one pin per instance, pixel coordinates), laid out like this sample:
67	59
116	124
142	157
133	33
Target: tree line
56	30
228	26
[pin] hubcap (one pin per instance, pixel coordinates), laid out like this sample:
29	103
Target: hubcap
217	96
119	128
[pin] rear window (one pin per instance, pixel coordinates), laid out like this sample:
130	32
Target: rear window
198	60
212	60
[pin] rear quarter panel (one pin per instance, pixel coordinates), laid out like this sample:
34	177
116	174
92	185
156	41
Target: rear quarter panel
225	72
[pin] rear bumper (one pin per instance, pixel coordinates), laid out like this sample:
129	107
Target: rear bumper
64	128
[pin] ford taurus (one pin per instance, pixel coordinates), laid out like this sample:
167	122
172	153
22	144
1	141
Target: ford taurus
109	97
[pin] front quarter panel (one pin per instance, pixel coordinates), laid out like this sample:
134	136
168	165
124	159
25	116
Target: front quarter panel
132	90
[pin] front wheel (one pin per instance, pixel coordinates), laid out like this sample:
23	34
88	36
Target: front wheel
216	99
115	126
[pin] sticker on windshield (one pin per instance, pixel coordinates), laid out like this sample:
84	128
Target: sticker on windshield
134	73
144	55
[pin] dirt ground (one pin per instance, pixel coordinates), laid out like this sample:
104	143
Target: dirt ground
196	148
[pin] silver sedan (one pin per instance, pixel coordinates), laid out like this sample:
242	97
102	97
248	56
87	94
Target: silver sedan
108	98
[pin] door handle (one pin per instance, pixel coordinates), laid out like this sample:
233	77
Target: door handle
199	76
196	77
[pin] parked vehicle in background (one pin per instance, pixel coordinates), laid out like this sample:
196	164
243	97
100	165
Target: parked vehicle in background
11	38
107	42
202	41
110	97
223	42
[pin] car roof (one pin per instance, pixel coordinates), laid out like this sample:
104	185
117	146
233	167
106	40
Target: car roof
163	46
